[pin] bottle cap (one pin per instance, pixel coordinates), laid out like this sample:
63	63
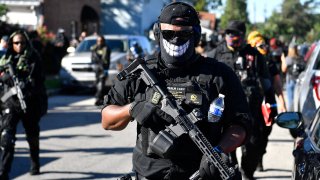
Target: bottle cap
221	95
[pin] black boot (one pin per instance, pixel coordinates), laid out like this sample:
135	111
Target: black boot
6	161
35	169
34	154
260	166
4	176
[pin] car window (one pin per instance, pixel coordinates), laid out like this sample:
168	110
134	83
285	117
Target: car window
146	45
85	45
116	45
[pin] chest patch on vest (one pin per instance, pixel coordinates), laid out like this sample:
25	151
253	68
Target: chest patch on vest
177	92
194	98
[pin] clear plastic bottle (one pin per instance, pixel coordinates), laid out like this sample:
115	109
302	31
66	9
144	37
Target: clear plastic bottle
216	109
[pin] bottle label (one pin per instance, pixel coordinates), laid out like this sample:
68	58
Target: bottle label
214	114
217	112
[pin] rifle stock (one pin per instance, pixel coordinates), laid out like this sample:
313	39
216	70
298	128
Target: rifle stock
184	121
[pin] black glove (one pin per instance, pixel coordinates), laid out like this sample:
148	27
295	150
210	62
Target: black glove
209	171
148	114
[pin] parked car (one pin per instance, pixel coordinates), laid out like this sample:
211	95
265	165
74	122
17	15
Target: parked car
307	146
77	68
307	89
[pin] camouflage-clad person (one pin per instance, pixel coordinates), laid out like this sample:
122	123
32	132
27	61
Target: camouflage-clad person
100	55
27	69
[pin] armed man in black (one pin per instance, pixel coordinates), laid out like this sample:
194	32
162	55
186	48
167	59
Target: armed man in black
100	55
194	82
251	68
22	80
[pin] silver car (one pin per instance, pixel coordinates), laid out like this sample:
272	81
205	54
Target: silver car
77	68
307	89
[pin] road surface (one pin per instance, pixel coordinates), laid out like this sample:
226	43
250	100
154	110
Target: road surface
74	146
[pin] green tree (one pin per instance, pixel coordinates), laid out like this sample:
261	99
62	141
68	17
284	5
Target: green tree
294	20
201	5
3	9
204	5
234	10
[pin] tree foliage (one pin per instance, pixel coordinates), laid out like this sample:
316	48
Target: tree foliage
234	10
204	5
3	9
294	20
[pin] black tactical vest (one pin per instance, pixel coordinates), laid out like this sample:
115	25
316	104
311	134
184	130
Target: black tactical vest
194	90
246	65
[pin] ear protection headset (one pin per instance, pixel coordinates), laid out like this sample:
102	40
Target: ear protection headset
196	28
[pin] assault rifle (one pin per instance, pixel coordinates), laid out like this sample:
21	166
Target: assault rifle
15	90
185	123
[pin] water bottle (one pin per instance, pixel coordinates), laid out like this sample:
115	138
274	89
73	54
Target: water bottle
216	109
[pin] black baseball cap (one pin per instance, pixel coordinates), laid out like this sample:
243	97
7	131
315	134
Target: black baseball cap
179	13
236	26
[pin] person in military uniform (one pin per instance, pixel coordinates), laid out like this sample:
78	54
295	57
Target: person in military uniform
100	55
192	80
251	68
27	69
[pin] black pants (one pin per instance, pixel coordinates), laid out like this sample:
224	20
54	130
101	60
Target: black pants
100	86
9	121
255	148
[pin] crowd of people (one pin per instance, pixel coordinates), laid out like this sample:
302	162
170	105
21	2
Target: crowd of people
265	67
258	69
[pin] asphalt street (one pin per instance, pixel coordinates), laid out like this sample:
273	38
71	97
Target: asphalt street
74	146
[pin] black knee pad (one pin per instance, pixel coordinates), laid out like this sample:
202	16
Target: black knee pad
7	139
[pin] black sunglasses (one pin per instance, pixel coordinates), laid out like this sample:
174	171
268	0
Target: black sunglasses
19	42
169	34
262	46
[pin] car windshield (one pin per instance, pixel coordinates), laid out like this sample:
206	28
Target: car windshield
116	45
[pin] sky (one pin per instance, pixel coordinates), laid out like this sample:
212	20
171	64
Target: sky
258	10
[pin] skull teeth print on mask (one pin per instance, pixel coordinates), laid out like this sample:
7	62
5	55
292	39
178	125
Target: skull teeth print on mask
175	50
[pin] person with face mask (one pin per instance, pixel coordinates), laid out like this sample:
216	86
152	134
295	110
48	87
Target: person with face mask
251	68
27	70
256	40
190	79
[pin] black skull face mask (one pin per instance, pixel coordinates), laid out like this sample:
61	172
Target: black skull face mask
176	52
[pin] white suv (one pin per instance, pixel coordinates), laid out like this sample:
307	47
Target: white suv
77	68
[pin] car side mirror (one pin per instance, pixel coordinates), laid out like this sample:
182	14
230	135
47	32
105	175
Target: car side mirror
289	120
